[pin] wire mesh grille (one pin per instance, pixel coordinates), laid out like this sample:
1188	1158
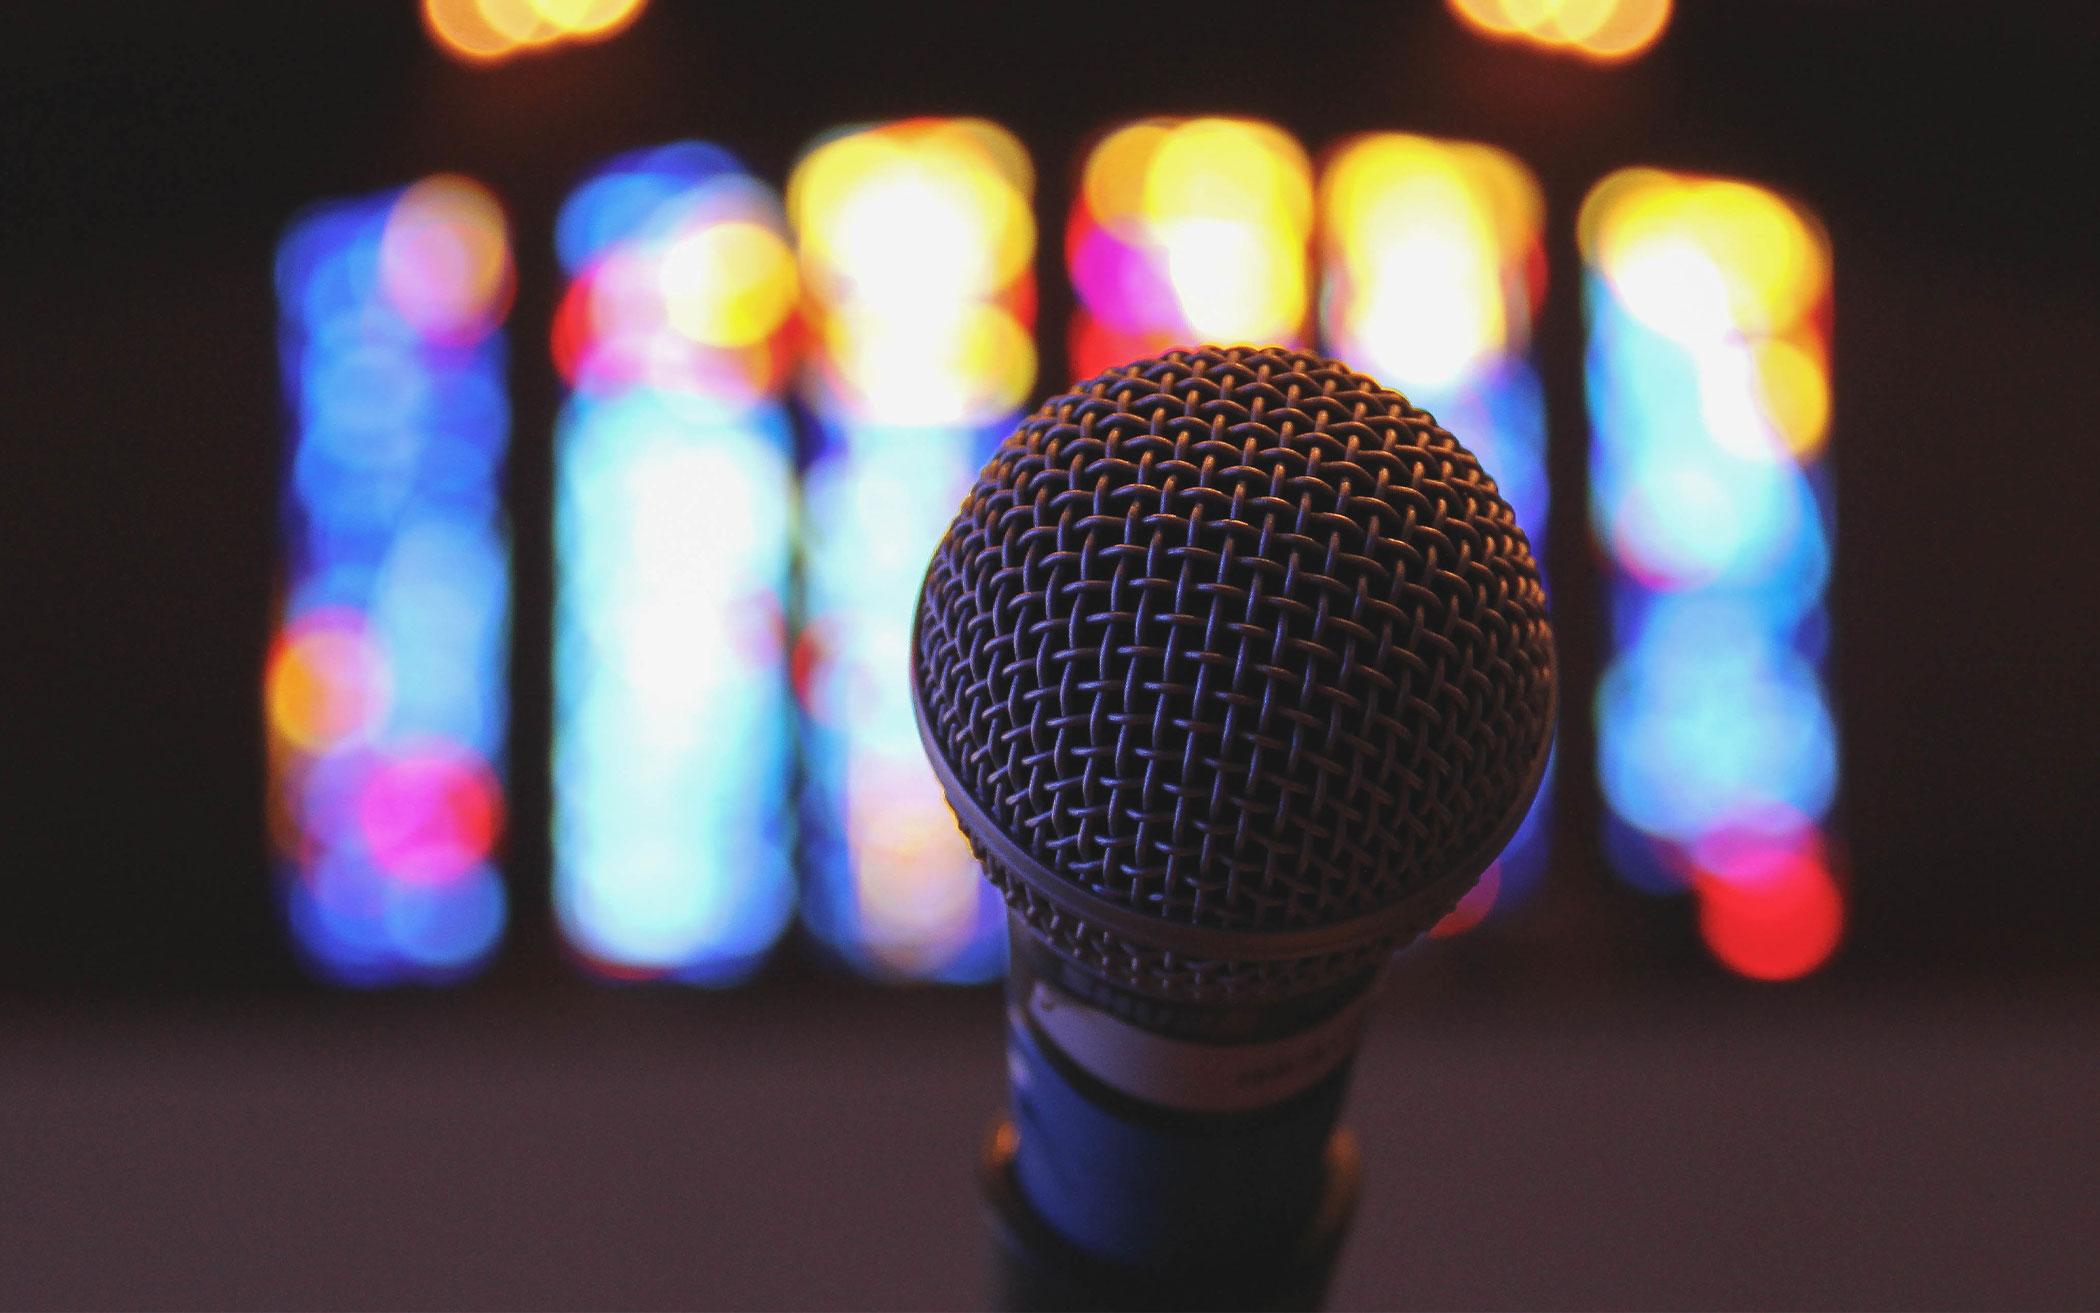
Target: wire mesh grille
1239	640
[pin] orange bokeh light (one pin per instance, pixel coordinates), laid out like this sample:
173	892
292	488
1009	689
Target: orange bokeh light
1603	31
486	31
326	681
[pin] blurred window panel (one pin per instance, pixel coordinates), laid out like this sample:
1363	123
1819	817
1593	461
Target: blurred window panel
674	500
1708	304
917	242
1432	269
1189	231
385	694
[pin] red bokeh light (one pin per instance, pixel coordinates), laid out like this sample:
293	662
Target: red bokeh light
1780	918
573	330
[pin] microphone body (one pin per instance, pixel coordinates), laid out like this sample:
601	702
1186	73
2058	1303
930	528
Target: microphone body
1144	1140
1158	1157
1235	670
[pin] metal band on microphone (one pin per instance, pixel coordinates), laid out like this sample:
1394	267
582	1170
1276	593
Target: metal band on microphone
1248	1060
1178	1074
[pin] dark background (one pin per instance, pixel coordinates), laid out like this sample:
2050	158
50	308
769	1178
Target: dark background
194	1125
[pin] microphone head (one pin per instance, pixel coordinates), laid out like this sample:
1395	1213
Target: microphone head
1236	670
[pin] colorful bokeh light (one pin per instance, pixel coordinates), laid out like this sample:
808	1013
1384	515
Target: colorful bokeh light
487	31
1769	908
1602	31
916	242
384	690
1432	271
1708	366
1187	231
674	503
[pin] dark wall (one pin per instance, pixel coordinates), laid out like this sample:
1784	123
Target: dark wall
149	157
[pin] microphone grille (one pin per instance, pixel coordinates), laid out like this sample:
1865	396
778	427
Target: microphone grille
1237	669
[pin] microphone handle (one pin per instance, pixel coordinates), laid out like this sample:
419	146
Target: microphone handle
1162	1155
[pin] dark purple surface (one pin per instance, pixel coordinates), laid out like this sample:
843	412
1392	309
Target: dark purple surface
1750	1148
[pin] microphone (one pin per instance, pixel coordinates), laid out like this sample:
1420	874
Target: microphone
1236	671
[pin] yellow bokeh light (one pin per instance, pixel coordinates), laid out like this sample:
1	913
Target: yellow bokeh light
1394	190
1117	171
1233	283
914	238
949	364
1221	211
901	218
1670	283
1580	20
1772	261
728	284
984	142
1604	31
1429	239
1701	256
1435	314
588	18
1532	17
1487	15
1250	173
1506	191
1740	277
1626	30
519	21
1609	198
1795	383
